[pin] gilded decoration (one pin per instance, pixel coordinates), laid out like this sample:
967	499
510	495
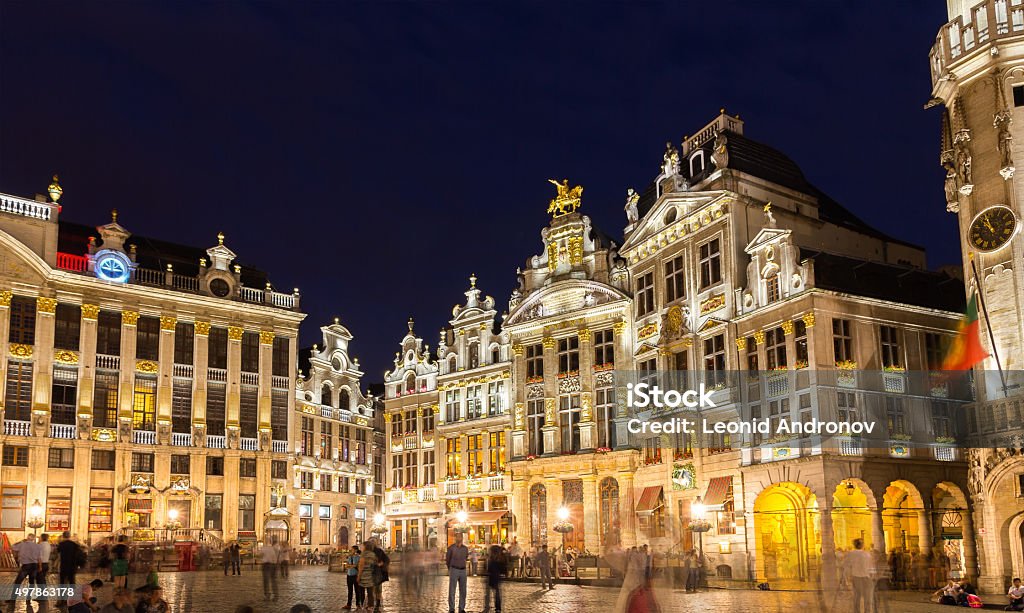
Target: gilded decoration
104	435
809	319
586	411
387	418
64	356
741	343
575	250
168	322
46	305
619	327
787	327
647	331
19	350
129	318
675	321
235	333
146	366
584	334
435	408
712	304
517	416
549	411
759	337
202	328
548	342
5	298
552	255
518	349
90	311
266	337
567	200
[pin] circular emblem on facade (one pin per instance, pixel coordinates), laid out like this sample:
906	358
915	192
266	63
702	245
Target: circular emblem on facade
113	266
336	363
220	288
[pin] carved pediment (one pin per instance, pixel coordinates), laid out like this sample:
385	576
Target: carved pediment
767	236
562	298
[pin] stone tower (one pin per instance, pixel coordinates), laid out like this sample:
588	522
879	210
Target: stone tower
977	70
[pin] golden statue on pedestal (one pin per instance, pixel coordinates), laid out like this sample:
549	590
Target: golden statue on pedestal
567	200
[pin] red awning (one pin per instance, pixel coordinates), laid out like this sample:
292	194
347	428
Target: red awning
718	487
140	505
650	500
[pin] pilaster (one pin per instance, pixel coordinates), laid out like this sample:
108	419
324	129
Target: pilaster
234	382
201	355
87	365
126	391
5	328
165	370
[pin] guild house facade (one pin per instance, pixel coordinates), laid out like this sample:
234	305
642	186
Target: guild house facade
148	384
977	70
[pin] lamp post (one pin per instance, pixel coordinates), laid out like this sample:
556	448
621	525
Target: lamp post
35	518
563	526
379	528
700	525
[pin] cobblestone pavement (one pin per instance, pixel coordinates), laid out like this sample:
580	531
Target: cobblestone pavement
212	592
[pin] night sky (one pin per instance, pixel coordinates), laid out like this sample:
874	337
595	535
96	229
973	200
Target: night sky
375	154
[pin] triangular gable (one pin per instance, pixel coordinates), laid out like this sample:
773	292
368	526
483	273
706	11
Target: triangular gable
711	322
765	236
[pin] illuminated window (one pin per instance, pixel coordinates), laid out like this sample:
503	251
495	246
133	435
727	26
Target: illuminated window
710	263
144	403
644	295
674	286
568	355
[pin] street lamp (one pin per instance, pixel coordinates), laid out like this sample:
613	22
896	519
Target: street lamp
378	525
461	523
563	526
35	518
700	525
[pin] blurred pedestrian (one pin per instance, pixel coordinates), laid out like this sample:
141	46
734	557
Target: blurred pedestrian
269	559
859	567
543	562
497	568
366	571
456	559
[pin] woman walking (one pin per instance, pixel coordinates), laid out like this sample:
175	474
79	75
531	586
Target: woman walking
365	571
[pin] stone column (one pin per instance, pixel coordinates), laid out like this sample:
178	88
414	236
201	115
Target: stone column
829	573
126	394
86	368
166	378
970	545
266	384
588	427
551	443
627	515
623	362
591	514
230	510
924	541
201	356
5	328
877	530
234	384
553	485
518	393
42	358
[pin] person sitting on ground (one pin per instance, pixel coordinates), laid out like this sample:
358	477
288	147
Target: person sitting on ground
122	602
86	602
152	601
948	593
1016	596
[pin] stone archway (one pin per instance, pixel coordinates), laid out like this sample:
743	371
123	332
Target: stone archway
786	528
902	511
853	503
1016	534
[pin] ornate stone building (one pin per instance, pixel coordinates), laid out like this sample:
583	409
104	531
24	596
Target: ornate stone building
750	281
413	506
977	69
474	422
148	384
569	324
332	436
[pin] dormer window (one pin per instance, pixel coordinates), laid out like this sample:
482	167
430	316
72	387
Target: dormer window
771	287
697	163
474	356
410	383
325	395
495	355
452	364
344	400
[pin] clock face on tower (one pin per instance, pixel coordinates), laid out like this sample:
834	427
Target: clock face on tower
992	228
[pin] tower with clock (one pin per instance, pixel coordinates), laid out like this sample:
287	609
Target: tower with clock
977	71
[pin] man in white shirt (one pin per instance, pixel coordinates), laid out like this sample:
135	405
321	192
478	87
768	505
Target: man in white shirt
29	557
45	548
270	556
515	552
1016	596
859	567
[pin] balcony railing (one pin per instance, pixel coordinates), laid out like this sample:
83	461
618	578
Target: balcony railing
109	362
215	441
249	444
850	446
894	382
144	437
395	497
451	488
217	374
26	208
778	384
496	484
72	262
279	446
945	454
181	439
428	494
184	371
280	383
68	431
989	21
14	427
250	378
327	412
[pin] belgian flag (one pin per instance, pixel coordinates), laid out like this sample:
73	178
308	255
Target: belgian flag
965	351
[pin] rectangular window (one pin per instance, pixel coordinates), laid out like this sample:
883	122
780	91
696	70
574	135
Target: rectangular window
18	397
306	445
213	512
250	351
800	340
941	422
534	362
248	410
108	333
752	360
605	409
215	466
15	455
397	425
325	525
144	403
453	457
892	355
568	355
644	296
64	395
142	462
180	464
452	406
496	451
147	338
181	405
934	350
710	263
58	509
727	516
397	474
22	315
496	402
218	348
775	348
475	455
184	343
279	414
569	421
103	459
894	415
278	469
846	402
411	476
604	348
61	457
535	423
67	327
429	476
12	507
305	480
474	402
101	509
771	288
714	360
104	399
1018	95
674	287
652	450
428	421
279	360
842	340
647	371
216	408
326	438
360	446
247	468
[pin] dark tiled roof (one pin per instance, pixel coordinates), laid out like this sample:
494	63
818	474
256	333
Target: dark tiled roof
151	253
892	282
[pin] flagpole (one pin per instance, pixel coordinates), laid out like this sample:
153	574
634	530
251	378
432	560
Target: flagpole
988	324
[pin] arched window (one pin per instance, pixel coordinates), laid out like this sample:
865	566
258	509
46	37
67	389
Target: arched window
452	364
495	354
325	395
343	512
697	163
344	400
474	356
538	515
771	287
410	383
609	512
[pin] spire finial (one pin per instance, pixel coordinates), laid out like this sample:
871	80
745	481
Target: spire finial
113	216
337	321
55	189
220	238
410	324
472	280
768	214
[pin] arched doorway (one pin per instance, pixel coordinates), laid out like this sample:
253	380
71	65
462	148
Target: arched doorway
786	524
948	521
538	515
902	507
343	536
852	504
610	527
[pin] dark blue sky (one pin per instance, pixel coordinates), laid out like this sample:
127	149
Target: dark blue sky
375	154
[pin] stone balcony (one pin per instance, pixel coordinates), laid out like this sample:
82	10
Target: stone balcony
990	20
